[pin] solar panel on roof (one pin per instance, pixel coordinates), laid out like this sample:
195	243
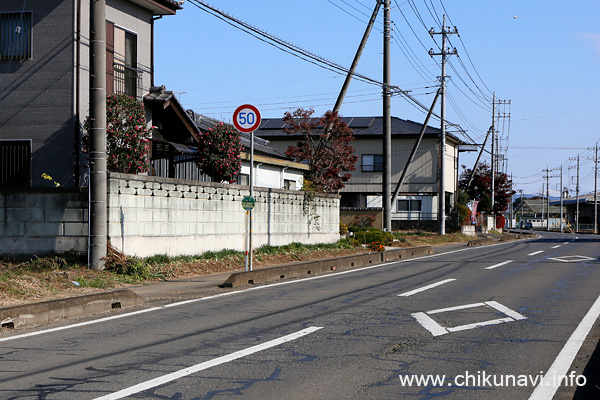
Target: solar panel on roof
273	124
361	122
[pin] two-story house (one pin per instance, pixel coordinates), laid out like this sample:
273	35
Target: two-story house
44	80
418	196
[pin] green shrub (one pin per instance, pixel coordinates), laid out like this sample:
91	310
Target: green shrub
385	238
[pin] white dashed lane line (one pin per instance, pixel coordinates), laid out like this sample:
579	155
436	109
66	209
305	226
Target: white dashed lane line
499	265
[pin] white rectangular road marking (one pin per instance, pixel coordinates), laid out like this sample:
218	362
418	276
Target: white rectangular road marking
428	323
535	252
547	387
503	309
555	247
437	330
499	265
205	365
441	310
422	289
480	324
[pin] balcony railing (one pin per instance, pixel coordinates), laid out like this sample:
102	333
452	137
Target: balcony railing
128	80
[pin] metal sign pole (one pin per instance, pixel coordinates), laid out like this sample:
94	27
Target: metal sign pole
246	119
251	195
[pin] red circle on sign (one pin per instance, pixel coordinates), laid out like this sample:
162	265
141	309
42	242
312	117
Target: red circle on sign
241	120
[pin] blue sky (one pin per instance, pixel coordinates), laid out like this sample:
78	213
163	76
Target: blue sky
543	56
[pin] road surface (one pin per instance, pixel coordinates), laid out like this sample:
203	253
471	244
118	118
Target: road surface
491	322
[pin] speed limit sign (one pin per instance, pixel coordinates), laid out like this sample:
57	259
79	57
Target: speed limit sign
246	118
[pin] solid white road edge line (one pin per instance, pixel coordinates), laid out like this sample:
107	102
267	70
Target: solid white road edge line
499	265
237	292
205	365
535	252
425	288
548	386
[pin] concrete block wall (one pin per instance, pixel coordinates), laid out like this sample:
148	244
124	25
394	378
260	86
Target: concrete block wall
41	222
153	215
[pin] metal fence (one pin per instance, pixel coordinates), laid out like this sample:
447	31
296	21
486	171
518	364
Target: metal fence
128	81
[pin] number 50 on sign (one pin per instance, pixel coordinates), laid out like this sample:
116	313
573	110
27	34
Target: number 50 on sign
246	118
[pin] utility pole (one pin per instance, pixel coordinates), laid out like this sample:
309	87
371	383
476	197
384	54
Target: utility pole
522	206
441	165
387	122
510	209
543	204
561	198
98	225
596	192
576	194
493	161
547	176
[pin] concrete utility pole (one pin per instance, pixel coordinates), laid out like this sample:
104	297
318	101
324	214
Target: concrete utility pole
576	193
596	191
98	225
522	206
543	204
561	198
441	165
493	160
387	122
547	176
510	209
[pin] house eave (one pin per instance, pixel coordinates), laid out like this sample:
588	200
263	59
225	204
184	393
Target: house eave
159	7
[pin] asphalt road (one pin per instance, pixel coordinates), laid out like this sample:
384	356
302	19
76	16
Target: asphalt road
491	322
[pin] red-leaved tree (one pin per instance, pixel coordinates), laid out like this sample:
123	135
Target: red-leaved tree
325	147
481	188
219	151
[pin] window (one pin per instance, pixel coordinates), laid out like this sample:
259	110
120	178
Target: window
289	184
121	61
372	163
15	163
243	179
409	205
15	36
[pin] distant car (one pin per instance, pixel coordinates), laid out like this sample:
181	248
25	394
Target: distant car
528	225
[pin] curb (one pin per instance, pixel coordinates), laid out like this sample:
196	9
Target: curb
49	311
308	268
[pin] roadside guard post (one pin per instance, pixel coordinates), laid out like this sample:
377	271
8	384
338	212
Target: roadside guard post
246	119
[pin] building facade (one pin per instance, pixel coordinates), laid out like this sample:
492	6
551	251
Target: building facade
44	80
418	195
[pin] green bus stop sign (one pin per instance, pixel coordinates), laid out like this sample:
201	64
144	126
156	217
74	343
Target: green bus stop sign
248	203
